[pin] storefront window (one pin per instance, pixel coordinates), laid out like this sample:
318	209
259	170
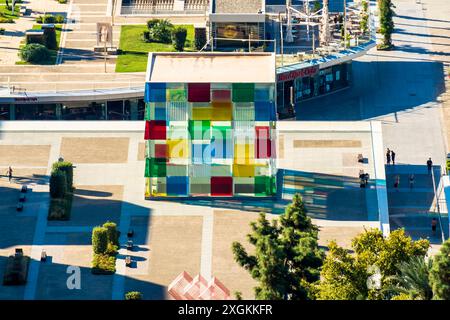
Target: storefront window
238	31
117	110
36	112
84	111
4	112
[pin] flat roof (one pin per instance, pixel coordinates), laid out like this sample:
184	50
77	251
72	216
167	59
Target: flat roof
208	67
238	6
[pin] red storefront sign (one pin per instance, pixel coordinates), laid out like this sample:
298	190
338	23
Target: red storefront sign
291	75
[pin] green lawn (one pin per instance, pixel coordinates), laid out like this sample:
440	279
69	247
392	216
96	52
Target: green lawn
53	53
134	51
5	13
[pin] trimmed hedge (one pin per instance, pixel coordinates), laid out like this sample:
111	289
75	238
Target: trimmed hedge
103	264
16	271
113	234
60	209
67	168
200	38
58	185
99	240
179	35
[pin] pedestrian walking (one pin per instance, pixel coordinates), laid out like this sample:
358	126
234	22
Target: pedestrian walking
388	156
397	182
411	181
393	157
10	173
433	225
429	165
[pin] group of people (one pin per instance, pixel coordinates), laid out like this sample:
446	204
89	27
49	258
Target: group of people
390	156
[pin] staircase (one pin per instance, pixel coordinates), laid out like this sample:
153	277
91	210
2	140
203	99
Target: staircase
413	208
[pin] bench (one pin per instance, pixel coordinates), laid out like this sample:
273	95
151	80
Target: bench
22	197
24	188
128	261
130	233
130	245
19	206
19	252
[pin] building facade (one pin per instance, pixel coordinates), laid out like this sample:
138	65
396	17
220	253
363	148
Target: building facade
212	138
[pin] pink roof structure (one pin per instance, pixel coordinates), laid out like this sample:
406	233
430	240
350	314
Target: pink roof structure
184	287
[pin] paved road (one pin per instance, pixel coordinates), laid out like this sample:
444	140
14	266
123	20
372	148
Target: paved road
399	88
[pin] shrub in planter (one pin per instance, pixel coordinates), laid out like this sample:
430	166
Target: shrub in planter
67	168
34	53
133	295
2	31
58	184
179	35
161	31
200	38
16	270
60	209
6	20
99	240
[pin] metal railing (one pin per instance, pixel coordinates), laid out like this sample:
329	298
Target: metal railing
436	198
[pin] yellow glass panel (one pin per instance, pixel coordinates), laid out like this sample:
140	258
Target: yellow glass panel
222	111
178	149
202	113
243	170
244	153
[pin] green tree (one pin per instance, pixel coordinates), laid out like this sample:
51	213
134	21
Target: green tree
287	258
412	279
161	31
440	273
386	21
346	276
342	278
99	240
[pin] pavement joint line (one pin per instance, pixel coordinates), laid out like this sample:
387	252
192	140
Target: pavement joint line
207	246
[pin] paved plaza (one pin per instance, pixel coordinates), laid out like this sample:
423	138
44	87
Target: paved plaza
171	237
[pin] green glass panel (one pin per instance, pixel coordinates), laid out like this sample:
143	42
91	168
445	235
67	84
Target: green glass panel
147	115
243	92
155	168
198	129
265	186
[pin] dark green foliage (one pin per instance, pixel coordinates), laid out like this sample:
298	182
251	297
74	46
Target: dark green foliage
179	35
152	22
440	273
60	209
412	279
133	295
200	38
99	240
34	53
146	36
67	168
161	31
103	264
16	270
287	258
386	21
59	18
50	39
58	184
113	234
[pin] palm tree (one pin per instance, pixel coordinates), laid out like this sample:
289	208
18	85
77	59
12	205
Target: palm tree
412	279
